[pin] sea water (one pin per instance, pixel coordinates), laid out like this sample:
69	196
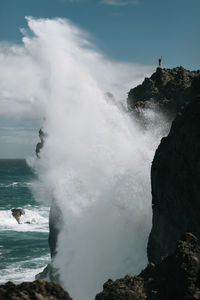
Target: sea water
24	248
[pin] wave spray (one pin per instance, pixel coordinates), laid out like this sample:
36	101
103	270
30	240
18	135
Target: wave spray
95	163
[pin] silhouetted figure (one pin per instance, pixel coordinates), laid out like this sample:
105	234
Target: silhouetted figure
159	61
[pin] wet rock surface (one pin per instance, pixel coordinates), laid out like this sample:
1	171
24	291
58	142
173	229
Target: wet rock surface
175	277
175	179
17	213
37	290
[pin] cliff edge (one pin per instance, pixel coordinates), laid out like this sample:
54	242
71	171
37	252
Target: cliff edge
167	89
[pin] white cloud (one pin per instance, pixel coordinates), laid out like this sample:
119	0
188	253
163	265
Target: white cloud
120	2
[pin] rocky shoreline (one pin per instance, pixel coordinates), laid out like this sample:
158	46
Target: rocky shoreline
175	179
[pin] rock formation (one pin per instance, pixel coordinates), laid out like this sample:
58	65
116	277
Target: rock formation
41	143
166	89
176	277
17	213
37	290
175	179
55	225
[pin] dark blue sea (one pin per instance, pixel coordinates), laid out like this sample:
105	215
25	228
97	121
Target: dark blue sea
24	248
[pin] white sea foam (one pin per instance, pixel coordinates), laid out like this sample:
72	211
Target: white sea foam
18	272
37	216
16	184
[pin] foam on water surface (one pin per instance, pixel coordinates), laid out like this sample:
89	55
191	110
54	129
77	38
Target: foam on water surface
38	218
18	272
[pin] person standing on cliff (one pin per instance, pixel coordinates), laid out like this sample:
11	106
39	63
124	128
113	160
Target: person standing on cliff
159	61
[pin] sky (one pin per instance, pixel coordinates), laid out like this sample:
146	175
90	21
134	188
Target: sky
131	31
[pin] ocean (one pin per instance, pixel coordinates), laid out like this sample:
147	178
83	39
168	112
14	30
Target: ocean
24	250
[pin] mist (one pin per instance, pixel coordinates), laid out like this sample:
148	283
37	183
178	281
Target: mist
95	163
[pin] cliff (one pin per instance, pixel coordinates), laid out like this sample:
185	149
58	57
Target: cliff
167	89
37	290
177	277
175	179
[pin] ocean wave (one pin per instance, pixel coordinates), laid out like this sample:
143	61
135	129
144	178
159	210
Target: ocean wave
15	184
35	219
22	271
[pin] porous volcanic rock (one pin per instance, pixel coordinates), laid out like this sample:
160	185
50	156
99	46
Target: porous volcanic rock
166	89
175	179
36	290
176	277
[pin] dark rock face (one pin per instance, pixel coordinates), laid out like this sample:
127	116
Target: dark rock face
41	143
37	290
177	277
168	89
55	226
175	178
17	213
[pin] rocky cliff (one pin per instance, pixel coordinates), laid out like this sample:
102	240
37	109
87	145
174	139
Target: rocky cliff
167	89
175	172
175	179
177	277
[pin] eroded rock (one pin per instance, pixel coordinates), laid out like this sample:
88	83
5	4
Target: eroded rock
167	89
17	213
36	290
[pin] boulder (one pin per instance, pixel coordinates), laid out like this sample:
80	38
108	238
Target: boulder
17	213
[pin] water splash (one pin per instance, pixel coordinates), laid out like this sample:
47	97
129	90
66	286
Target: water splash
95	162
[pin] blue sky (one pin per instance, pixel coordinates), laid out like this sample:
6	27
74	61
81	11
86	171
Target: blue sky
139	30
124	30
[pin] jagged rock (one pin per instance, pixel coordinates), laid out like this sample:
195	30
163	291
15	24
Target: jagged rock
17	213
36	290
166	89
175	179
55	226
176	277
41	143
